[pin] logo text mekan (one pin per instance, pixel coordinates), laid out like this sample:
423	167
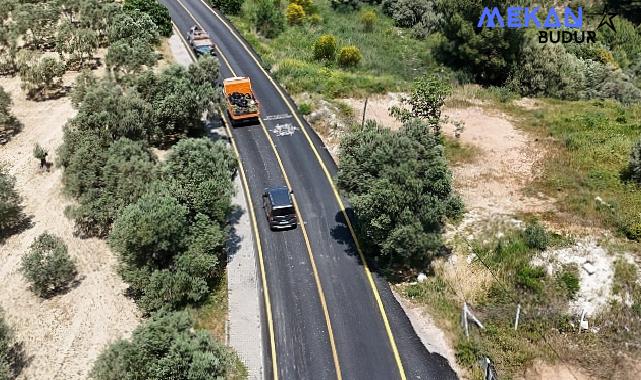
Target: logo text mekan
524	17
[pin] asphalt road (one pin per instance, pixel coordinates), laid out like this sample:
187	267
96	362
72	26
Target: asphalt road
364	348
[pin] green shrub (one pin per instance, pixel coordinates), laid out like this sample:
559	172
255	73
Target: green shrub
165	347
468	352
158	13
325	47
368	19
315	19
401	190
39	152
268	18
295	14
41	77
229	7
531	278
11	215
536	236
307	5
305	108
569	278
349	56
345	5
198	172
48	266
634	165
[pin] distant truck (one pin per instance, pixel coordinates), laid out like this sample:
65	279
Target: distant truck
241	103
200	42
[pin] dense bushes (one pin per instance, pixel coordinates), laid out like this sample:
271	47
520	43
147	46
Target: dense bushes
171	239
268	18
573	73
419	15
166	221
159	13
48	266
401	190
165	347
295	14
131	37
11	215
230	7
325	47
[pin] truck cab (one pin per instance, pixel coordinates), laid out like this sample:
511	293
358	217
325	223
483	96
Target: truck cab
279	208
240	100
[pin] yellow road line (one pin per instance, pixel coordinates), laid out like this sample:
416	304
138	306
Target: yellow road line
368	272
245	185
301	223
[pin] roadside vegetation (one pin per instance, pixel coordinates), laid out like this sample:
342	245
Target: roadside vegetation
166	220
586	110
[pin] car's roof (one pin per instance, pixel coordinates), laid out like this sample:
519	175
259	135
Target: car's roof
279	196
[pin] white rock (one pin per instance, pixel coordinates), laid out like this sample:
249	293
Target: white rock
421	277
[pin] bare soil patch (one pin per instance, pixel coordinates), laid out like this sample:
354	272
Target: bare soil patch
62	335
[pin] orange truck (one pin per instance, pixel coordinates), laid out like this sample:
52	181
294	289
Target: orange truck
241	103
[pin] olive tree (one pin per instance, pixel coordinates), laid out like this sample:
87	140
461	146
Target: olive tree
158	13
76	45
37	23
121	179
198	173
401	190
132	36
42	77
424	102
48	266
11	215
167	346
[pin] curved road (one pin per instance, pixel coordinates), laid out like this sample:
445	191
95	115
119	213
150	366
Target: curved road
326	315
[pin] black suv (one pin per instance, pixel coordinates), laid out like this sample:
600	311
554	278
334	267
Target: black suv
279	208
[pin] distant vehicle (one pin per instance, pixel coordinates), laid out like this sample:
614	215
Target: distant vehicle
241	103
200	42
279	208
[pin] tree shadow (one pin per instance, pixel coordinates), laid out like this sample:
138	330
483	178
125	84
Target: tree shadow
73	284
343	236
11	128
234	240
18	359
25	222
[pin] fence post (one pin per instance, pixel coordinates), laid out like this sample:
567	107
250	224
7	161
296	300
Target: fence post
518	314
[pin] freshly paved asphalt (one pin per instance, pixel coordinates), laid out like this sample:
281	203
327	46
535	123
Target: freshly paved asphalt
301	334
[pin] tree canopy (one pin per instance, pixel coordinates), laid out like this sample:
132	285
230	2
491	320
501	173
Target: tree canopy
165	347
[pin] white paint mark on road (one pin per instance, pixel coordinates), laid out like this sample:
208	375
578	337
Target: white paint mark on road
278	117
284	129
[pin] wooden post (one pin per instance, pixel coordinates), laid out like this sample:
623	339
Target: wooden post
364	111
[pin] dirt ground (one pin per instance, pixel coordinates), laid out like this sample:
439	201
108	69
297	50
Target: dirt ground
62	335
495	182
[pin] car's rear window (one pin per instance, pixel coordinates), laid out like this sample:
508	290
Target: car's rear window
283	211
